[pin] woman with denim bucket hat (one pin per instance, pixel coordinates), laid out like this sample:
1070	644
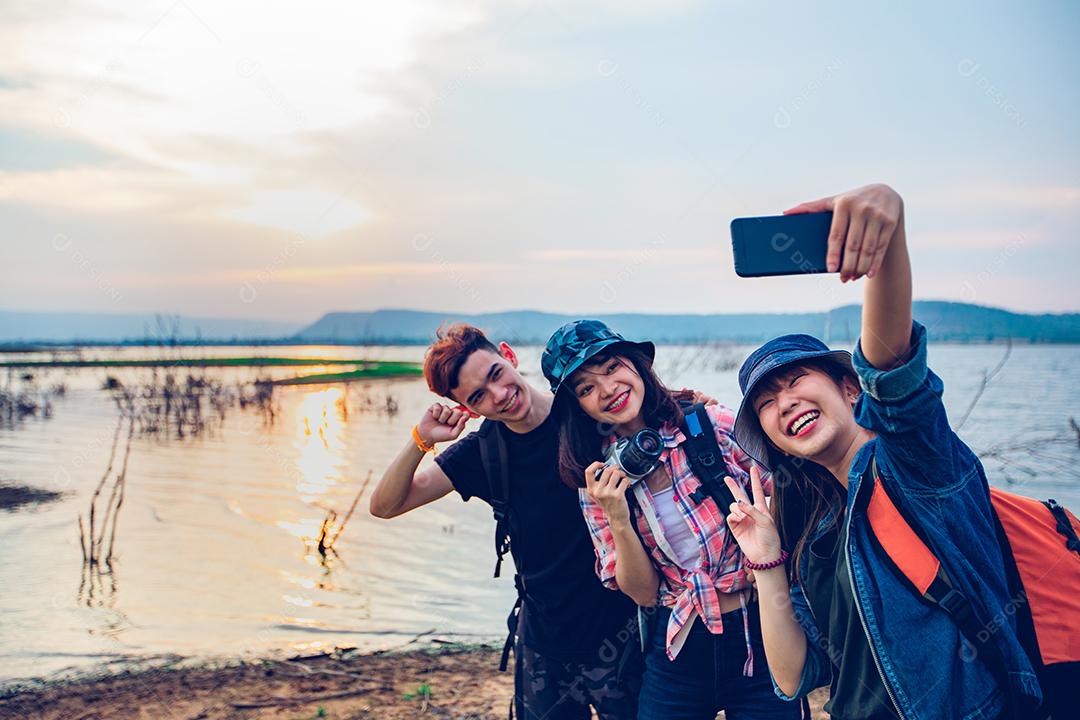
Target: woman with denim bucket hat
831	426
661	542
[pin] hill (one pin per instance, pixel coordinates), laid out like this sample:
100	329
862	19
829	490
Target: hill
946	321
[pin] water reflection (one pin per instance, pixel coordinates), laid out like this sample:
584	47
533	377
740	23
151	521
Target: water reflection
226	540
97	588
321	443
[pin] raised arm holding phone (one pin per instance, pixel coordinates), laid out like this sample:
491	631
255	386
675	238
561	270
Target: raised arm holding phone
847	436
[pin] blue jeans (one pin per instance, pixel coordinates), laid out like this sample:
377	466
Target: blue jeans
707	675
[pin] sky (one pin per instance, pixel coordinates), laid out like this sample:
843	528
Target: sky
281	160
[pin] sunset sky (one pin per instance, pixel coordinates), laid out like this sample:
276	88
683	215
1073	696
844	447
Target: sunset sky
279	160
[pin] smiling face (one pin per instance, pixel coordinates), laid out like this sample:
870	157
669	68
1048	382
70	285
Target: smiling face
610	391
489	384
806	412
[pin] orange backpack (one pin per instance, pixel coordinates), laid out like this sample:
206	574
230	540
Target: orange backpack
1041	549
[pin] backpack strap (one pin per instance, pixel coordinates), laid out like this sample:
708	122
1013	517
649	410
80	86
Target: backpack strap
1064	524
493	458
644	623
512	622
706	458
903	543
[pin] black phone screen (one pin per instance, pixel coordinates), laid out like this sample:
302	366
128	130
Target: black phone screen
781	244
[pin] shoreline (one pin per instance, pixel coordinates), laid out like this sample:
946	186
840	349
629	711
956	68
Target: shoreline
449	681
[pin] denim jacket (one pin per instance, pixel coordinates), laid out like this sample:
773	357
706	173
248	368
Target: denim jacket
930	671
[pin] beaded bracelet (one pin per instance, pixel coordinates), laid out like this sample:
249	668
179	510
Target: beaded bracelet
420	445
769	565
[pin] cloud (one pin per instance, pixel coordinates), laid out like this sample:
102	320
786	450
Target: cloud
306	275
142	85
627	254
26	151
986	238
1003	197
294	210
115	189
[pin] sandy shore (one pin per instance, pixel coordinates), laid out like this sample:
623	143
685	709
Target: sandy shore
439	683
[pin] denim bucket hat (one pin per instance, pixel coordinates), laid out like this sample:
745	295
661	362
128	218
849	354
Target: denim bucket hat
774	355
574	343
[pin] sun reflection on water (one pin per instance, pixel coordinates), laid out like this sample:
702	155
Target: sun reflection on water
303	582
320	439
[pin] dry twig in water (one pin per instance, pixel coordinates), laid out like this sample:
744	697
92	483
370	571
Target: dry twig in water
986	378
325	545
352	507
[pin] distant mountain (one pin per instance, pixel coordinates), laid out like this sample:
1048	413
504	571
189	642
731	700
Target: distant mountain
945	321
16	326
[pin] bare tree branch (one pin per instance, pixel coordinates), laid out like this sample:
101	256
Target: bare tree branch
987	377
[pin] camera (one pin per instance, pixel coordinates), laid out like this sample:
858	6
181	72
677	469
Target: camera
637	455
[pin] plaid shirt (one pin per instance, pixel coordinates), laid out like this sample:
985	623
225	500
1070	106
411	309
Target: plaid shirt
686	592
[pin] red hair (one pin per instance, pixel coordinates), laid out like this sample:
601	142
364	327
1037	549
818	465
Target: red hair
452	347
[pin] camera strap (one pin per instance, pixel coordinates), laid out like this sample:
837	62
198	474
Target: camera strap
706	458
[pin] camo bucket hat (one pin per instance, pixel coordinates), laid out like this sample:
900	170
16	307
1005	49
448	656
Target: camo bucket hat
575	343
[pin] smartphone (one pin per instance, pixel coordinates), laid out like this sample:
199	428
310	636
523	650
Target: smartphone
781	244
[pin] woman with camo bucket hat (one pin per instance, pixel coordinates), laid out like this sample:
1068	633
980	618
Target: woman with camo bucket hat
659	538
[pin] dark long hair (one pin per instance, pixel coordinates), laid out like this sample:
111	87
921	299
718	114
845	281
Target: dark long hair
805	494
581	437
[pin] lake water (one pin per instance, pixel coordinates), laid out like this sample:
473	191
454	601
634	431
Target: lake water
215	544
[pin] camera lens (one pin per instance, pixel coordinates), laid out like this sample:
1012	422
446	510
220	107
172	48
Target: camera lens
649	443
641	454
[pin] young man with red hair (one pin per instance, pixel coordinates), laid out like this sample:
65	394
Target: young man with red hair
576	642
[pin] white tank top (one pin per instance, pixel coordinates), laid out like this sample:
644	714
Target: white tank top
676	530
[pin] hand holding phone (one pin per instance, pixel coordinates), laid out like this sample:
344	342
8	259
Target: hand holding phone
865	221
848	233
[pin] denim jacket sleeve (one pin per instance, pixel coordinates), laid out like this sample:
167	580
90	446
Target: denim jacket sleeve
817	668
903	407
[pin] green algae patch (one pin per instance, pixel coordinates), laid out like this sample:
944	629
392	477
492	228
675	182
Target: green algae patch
365	371
191	362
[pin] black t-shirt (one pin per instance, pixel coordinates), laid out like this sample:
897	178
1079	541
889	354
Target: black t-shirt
856	690
570	614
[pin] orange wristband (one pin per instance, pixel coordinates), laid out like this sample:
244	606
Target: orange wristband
420	441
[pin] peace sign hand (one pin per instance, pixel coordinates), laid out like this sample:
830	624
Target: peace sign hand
751	523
